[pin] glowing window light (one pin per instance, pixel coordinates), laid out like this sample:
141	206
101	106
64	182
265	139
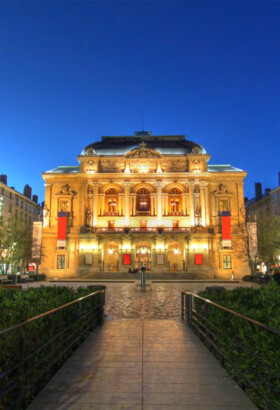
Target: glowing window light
144	169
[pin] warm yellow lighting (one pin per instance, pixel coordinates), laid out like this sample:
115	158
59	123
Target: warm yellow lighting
127	170
144	169
110	251
143	251
176	250
85	246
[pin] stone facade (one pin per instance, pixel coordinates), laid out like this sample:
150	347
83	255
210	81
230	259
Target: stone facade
144	199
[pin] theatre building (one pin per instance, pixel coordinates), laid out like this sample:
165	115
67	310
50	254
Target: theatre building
144	200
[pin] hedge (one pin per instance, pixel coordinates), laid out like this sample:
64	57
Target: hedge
260	362
18	306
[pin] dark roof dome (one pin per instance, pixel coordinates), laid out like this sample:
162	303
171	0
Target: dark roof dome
164	144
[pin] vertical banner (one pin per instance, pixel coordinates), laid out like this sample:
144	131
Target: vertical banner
198	259
62	222
36	240
226	235
126	259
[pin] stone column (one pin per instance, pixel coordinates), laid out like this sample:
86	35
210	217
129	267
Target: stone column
126	206
185	201
191	201
102	203
134	204
202	198
82	204
159	207
207	205
95	203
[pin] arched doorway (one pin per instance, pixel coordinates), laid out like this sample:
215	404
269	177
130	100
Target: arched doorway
111	257
143	255
175	256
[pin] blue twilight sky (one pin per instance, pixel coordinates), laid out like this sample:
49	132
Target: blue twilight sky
73	71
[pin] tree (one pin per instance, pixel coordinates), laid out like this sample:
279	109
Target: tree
269	239
15	242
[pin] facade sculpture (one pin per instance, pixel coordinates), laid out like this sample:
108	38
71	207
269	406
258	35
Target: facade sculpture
143	199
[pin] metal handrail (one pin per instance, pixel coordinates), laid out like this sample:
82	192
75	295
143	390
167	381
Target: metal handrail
30	367
255	322
228	346
9	329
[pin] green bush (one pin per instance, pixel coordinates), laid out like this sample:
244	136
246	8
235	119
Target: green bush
259	359
68	326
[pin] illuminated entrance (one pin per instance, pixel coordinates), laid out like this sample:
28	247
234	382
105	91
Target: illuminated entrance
111	257
175	257
143	256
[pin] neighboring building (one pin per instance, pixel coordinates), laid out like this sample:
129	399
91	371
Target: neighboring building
144	199
15	205
264	204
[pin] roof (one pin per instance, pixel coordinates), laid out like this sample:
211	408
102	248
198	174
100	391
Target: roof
223	168
164	144
65	169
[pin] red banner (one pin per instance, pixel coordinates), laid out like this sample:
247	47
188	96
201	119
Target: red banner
198	259
62	223
126	259
226	227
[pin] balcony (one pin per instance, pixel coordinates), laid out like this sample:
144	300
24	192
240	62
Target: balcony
175	213
148	229
143	213
110	213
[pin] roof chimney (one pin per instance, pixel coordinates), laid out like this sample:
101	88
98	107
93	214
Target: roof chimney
267	191
3	178
27	191
258	191
35	199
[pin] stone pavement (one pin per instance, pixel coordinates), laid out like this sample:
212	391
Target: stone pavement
142	364
162	302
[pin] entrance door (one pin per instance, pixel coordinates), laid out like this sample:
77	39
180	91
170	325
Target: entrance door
143	257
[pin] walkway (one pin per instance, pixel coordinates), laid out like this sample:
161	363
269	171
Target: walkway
142	364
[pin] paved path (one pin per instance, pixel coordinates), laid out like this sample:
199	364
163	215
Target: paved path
142	364
162	302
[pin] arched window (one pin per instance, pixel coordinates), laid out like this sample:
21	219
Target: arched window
111	202
143	202
175	202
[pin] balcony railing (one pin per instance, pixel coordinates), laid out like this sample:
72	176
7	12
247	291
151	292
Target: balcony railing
148	229
143	213
110	213
175	213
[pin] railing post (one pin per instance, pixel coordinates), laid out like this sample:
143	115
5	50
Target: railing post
189	308
21	367
100	319
182	306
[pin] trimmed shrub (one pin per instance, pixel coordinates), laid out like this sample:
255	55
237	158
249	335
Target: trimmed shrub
259	359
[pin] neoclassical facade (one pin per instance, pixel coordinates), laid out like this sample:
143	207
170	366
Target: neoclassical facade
144	200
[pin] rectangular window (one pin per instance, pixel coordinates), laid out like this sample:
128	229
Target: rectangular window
21	204
17	201
175	224
10	208
223	205
198	259
60	261
11	195
226	261
26	207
